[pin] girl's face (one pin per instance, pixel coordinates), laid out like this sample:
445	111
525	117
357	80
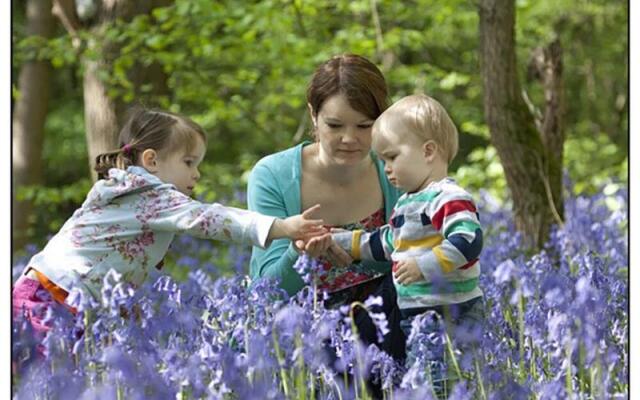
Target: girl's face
344	134
180	167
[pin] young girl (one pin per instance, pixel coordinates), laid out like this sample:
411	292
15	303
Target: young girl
133	211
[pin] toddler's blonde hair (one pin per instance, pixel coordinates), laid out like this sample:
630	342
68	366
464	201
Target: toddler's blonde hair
423	116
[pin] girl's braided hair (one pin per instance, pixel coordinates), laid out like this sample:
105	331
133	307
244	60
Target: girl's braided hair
162	131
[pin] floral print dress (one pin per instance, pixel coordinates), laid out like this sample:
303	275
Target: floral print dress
127	223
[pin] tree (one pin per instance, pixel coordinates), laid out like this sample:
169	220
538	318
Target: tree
104	107
29	117
531	155
240	69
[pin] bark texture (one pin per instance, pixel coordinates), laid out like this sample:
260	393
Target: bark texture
104	113
28	120
531	157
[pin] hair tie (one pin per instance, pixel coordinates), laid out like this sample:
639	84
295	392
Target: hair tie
126	149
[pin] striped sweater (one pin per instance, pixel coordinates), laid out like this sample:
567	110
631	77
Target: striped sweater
438	227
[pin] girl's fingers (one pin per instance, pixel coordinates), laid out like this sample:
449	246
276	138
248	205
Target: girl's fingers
316	228
299	245
318	245
316	222
307	213
310	234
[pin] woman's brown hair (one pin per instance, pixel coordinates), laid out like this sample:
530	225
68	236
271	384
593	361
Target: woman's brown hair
159	130
354	76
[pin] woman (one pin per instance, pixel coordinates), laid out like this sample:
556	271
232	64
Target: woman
339	172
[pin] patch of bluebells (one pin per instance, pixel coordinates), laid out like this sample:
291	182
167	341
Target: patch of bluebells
556	327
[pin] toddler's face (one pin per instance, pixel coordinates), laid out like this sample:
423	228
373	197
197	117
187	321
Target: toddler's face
405	162
181	167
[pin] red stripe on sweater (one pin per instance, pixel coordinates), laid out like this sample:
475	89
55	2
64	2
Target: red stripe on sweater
469	264
450	208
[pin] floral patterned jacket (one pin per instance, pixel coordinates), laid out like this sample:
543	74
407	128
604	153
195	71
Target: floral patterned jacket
127	223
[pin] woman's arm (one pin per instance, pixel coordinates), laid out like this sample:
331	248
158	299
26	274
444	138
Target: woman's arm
264	195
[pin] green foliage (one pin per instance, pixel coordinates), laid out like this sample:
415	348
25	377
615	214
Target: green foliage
241	70
64	141
483	171
52	206
594	37
593	162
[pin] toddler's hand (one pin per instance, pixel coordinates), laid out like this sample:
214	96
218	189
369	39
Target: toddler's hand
316	246
337	256
407	272
326	247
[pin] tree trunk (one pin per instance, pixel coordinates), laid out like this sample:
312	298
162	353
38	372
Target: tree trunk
104	114
532	175
28	119
100	113
547	62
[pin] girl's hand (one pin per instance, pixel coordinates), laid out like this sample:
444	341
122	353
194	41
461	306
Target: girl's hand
298	226
407	272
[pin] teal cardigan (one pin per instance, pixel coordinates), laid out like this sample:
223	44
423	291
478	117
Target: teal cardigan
274	189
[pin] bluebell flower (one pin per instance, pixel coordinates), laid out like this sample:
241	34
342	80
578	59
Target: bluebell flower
213	337
505	272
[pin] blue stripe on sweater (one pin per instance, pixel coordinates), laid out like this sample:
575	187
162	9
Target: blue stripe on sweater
376	246
468	250
424	218
397	221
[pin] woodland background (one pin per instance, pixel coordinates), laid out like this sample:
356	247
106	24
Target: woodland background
539	93
538	89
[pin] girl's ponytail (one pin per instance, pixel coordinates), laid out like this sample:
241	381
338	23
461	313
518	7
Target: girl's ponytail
122	158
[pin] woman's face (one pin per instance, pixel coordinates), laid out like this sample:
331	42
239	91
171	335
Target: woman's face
344	134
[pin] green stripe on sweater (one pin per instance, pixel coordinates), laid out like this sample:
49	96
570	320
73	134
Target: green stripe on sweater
421	289
418	198
461	226
388	237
